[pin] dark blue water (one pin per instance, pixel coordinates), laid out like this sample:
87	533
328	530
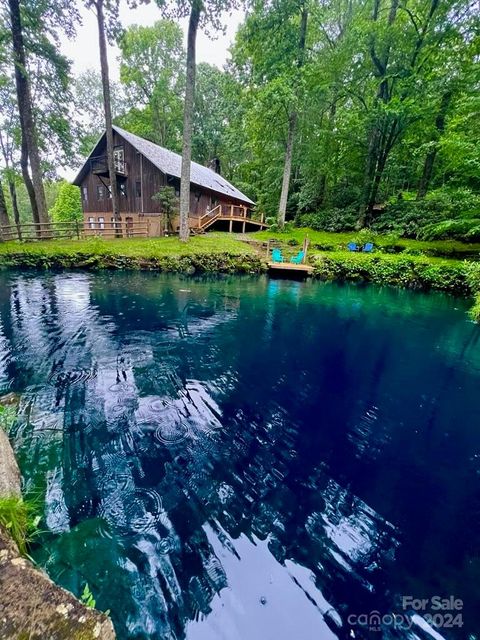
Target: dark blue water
250	459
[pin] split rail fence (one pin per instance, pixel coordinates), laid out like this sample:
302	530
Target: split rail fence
32	231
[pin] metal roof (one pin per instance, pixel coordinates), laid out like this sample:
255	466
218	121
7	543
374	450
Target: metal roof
170	163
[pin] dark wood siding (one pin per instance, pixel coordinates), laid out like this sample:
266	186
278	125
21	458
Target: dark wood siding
141	169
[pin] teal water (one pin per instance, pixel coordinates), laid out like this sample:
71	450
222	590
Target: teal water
235	458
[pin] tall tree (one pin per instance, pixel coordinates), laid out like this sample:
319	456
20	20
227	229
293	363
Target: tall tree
30	151
99	7
428	164
292	119
152	67
193	23
206	12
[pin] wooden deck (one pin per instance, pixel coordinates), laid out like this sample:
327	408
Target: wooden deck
226	213
287	268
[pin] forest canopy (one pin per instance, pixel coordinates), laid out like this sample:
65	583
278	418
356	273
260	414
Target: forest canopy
337	114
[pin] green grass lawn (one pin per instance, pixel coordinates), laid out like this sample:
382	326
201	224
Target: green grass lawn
338	241
212	243
216	243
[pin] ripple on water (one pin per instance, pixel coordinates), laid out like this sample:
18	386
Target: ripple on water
132	512
121	387
66	378
172	433
144	511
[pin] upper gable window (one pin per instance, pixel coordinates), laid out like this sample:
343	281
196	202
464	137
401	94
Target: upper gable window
100	191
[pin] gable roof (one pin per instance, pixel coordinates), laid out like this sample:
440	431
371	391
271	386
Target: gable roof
170	163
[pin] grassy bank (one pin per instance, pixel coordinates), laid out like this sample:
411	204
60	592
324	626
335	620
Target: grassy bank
220	253
325	241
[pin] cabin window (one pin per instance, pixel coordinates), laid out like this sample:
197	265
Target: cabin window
101	223
100	192
123	189
91	223
177	191
85	193
138	189
214	202
116	224
119	159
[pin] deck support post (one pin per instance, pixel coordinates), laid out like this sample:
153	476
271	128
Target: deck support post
231	226
243	227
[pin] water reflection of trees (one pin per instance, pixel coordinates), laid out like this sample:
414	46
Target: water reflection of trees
153	406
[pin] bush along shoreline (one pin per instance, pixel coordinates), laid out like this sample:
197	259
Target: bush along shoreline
413	272
186	264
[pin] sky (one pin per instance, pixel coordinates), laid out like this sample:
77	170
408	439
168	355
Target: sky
83	50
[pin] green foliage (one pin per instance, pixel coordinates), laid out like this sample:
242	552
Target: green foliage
475	310
401	271
169	202
68	204
426	218
20	518
329	219
152	67
87	598
466	229
88	103
7	417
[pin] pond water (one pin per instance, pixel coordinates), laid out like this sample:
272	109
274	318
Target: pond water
250	459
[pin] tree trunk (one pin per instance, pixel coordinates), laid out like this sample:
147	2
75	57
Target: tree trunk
188	110
28	182
102	43
292	125
27	122
322	181
287	169
4	220
432	153
381	134
16	213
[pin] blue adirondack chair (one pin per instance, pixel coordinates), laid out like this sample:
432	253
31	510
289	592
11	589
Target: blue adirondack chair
298	259
368	247
352	246
277	255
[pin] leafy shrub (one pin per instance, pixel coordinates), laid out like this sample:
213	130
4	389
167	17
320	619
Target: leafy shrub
472	271
329	219
410	217
68	205
475	310
464	229
400	271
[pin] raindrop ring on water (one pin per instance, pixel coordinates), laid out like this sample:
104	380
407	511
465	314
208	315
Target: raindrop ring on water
171	432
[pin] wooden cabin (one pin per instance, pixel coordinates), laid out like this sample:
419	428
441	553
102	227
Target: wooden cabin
142	168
